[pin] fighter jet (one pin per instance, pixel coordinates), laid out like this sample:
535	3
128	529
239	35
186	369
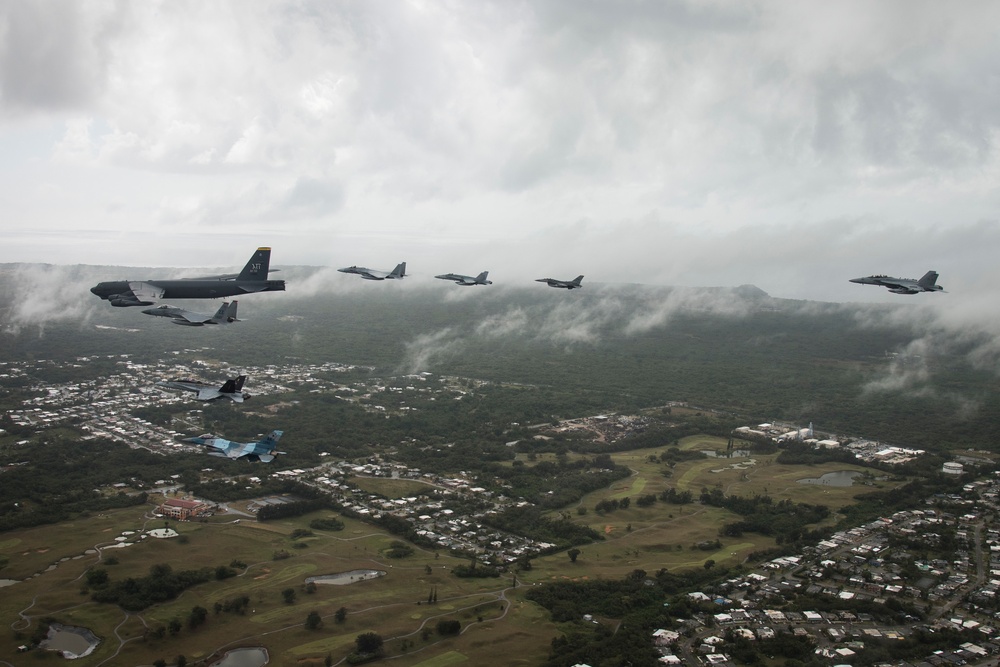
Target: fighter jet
371	274
253	278
226	314
459	279
562	284
903	285
231	389
263	450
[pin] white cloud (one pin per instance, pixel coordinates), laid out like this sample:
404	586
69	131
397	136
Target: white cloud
787	145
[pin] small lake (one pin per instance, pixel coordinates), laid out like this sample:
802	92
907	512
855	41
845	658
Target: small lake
71	641
838	478
345	578
243	657
725	454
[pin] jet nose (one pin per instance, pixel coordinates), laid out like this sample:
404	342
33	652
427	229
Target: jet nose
96	290
858	280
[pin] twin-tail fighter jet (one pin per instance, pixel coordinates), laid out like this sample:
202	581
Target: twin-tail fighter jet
903	285
372	274
263	450
226	314
231	389
253	278
562	284
459	279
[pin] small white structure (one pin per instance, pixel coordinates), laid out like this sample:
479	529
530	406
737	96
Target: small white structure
952	468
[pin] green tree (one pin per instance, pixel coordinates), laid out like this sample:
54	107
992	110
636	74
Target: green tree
446	627
313	621
340	615
369	643
197	617
97	578
288	595
573	553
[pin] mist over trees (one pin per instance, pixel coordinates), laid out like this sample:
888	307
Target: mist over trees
615	348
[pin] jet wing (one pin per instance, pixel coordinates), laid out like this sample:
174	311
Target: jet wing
233	450
253	287
183	316
145	292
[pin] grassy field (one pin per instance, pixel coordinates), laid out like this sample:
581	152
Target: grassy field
395	605
391	488
663	535
52	562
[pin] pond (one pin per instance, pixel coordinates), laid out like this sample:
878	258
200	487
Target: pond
344	578
71	641
243	657
725	454
838	478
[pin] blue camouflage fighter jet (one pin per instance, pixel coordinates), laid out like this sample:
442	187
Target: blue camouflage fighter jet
263	450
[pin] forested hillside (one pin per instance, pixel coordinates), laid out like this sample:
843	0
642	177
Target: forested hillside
845	367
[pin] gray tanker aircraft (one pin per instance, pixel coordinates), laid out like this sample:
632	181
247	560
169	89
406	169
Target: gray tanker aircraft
231	389
459	279
225	315
562	284
372	274
903	285
253	278
263	450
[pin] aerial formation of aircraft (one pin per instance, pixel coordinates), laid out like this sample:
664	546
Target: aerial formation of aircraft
231	389
262	450
903	285
562	284
253	278
459	279
226	314
372	274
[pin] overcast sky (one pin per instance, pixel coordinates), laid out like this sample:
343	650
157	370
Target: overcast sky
790	145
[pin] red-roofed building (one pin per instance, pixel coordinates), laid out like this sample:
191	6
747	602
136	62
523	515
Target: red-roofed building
179	509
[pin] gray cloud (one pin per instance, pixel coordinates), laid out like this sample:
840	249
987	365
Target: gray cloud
46	294
53	55
786	145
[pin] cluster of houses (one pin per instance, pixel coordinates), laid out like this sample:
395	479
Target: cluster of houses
874	562
431	519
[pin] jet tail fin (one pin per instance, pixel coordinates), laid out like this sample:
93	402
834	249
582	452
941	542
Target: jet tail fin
482	276
273	437
230	315
258	266
577	280
399	271
239	382
221	312
929	279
